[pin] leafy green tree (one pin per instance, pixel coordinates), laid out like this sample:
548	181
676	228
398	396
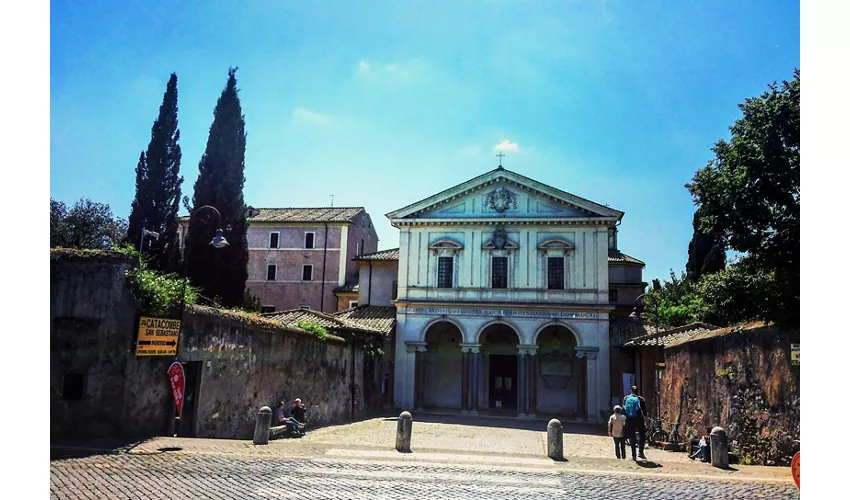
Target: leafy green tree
675	302
749	194
222	272
739	293
158	183
86	225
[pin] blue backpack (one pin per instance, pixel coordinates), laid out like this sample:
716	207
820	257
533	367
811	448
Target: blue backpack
632	406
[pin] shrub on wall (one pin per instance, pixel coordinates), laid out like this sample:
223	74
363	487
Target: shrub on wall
159	294
314	329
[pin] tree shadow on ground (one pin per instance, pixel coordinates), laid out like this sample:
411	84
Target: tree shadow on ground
505	422
80	447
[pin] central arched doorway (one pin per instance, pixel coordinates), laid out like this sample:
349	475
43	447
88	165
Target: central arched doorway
500	387
443	365
560	381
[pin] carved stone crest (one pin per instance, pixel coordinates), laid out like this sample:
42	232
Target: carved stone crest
500	238
501	200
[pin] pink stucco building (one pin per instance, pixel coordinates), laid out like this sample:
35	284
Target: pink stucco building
298	256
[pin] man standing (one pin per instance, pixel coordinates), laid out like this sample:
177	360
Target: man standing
635	408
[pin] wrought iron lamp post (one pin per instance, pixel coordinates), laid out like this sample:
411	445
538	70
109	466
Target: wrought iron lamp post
217	242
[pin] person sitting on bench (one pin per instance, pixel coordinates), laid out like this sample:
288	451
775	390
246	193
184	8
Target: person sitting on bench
289	422
299	414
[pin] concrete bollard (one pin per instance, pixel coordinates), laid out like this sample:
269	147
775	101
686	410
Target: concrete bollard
719	448
263	425
403	432
555	439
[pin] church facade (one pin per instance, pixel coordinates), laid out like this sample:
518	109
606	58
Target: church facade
503	300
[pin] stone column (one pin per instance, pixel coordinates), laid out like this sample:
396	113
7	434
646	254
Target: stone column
464	379
589	355
474	376
531	378
419	349
582	388
521	381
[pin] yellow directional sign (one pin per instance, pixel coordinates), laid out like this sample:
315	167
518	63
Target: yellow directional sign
157	337
795	354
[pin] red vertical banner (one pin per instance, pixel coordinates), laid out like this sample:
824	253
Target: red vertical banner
177	378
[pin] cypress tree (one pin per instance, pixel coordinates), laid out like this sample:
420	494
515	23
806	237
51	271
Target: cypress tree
158	183
706	253
221	272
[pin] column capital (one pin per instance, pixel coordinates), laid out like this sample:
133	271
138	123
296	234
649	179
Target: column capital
416	346
473	348
530	349
587	352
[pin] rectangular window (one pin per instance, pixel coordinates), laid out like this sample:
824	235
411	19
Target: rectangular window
359	248
271	272
353	303
310	240
267	309
555	273
445	272
500	272
307	273
274	240
612	296
395	290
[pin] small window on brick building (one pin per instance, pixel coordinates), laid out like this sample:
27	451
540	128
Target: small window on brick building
555	273
72	387
274	240
612	296
310	240
267	309
307	273
271	272
395	290
353	303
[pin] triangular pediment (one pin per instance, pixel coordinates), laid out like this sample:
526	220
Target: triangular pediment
504	194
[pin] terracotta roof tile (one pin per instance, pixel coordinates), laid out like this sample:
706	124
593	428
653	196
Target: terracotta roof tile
310	214
377	318
618	256
390	254
291	318
721	332
664	337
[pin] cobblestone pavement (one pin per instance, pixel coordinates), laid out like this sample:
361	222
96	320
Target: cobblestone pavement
216	475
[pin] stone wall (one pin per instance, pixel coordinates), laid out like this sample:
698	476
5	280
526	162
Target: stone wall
92	321
243	362
742	381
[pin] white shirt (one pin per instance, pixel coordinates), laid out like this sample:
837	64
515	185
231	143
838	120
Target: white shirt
616	422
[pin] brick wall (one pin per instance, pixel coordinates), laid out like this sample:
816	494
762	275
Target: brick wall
743	382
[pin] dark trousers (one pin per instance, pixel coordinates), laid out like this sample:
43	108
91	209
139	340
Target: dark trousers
620	447
636	425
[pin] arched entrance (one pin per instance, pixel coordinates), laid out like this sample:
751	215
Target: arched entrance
500	387
560	378
443	366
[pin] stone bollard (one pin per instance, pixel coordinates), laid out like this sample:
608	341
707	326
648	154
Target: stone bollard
263	425
555	439
403	432
719	448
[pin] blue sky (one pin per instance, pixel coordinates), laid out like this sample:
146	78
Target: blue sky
385	103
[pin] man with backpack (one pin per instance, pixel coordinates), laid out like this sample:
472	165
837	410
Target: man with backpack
634	407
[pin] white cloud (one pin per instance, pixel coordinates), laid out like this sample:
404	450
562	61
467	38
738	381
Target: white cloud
304	115
393	72
506	145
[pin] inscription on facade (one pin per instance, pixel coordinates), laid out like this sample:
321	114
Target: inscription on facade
508	313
